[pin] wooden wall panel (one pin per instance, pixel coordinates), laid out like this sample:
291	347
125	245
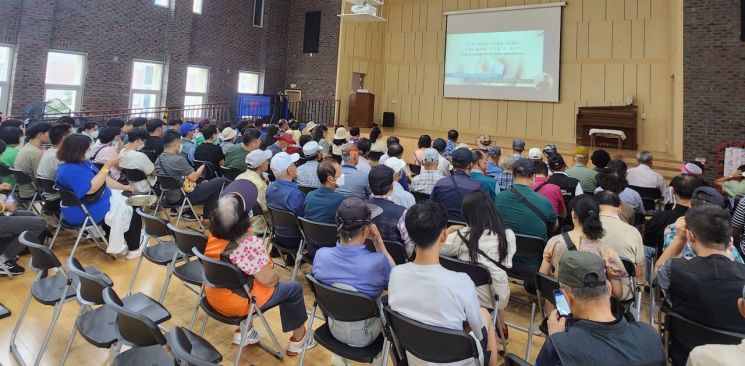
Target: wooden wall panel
610	49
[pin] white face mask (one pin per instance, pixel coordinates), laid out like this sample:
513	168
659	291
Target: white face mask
340	181
94	134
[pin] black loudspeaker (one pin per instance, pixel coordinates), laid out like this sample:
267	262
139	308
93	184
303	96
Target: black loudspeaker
388	119
312	35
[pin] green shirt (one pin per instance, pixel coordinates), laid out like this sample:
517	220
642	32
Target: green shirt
488	184
586	177
235	158
519	217
734	188
8	158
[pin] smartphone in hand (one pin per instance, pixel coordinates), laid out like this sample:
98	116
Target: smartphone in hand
562	305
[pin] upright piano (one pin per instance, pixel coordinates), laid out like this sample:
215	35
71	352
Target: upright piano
624	118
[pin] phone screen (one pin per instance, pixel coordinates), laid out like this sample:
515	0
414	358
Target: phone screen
561	303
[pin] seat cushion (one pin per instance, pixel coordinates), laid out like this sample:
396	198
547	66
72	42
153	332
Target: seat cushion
150	356
200	348
161	253
141	303
360	354
214	314
98	326
190	272
48	291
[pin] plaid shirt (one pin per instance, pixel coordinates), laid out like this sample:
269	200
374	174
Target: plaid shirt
426	181
405	238
449	148
307	175
505	181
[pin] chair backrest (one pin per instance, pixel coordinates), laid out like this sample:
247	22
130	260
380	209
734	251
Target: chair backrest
512	359
691	334
430	343
479	274
546	285
317	235
188	240
154	226
5	170
415	169
307	189
342	305
69	199
649	196
230	173
374	155
220	274
629	266
419	196
133	328
209	169
46	185
90	285
21	177
455	222
181	348
397	251
42	258
528	246
169	183
134	175
284	223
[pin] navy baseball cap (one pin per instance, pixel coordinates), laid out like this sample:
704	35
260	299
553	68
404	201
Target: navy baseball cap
462	156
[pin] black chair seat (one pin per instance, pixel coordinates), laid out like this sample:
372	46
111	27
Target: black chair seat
190	272
48	290
214	314
360	354
200	348
161	253
98	327
150	356
143	304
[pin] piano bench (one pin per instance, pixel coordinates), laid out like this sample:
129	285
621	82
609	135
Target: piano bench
608	134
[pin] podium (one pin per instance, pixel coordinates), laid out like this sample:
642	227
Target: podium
361	110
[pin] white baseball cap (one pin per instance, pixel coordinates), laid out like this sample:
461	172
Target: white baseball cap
310	148
257	157
535	153
395	163
282	161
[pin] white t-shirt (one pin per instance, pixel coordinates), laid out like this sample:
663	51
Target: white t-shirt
451	298
132	159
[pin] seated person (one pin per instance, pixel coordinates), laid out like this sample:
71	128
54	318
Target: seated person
682	191
30	154
720	354
350	266
506	179
257	162
585	237
451	299
399	195
733	185
188	132
235	158
284	194
449	191
210	151
107	147
355	181
154	144
443	163
381	183
306	173
478	173
363	164
614	180
172	164
11	136
551	191
485	240
492	166
592	335
230	235
131	157
704	288
48	164
425	181
322	203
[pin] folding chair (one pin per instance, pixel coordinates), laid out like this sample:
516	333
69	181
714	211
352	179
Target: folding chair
415	169
171	184
220	274
47	290
135	176
183	348
259	213
69	199
430	343
689	334
209	169
637	291
48	187
21	178
230	173
650	196
480	276
284	225
147	340
5	172
190	272
306	189
317	235
512	359
94	324
397	251
374	155
419	196
162	253
455	222
345	306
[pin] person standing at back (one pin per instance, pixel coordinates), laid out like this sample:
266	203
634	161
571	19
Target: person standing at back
451	190
581	172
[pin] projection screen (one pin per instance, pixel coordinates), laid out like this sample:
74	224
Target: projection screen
505	54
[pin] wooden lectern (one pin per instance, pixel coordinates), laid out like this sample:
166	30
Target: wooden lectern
361	110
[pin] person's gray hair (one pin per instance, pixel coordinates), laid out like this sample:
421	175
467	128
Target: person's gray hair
644	157
508	162
345	152
591	293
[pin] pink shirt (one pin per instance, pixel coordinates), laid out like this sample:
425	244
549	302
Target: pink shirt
552	192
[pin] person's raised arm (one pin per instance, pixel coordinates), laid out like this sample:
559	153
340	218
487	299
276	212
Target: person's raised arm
100	179
194	176
676	247
374	236
267	277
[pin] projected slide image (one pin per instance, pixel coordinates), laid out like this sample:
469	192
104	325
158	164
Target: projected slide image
497	59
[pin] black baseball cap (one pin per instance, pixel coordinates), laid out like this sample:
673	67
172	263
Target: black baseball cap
462	156
524	167
556	162
709	195
579	269
353	214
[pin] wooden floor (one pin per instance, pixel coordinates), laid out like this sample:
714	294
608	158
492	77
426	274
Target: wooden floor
179	301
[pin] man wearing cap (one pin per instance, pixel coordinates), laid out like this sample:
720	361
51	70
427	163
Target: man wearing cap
306	173
236	156
535	154
351	266
682	188
321	204
518	146
643	176
363	165
355	181
257	162
704	288
283	141
484	142
592	335
381	184
478	173
443	164
492	166
450	191
430	175
284	193
399	195
581	172
570	187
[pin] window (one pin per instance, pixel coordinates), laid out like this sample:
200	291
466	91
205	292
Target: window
248	82
197	79
197	7
64	80
163	3
258	13
5	61
145	90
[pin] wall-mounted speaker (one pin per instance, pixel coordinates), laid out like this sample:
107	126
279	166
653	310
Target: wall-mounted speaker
312	35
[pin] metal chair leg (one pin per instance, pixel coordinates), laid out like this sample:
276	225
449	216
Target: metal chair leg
59	227
169	273
180	211
277	351
113	352
310	328
55	317
244	333
298	259
71	339
196	308
204	325
143	245
14	334
80	236
199	218
530	332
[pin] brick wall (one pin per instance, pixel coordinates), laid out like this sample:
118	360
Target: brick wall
714	87
113	33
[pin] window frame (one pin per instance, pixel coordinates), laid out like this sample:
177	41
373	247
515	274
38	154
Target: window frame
204	94
258	80
194	8
166	5
261	14
5	85
158	93
78	89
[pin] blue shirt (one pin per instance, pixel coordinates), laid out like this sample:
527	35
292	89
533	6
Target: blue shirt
446	193
353	265
629	197
285	195
488	184
355	183
77	178
321	204
493	170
